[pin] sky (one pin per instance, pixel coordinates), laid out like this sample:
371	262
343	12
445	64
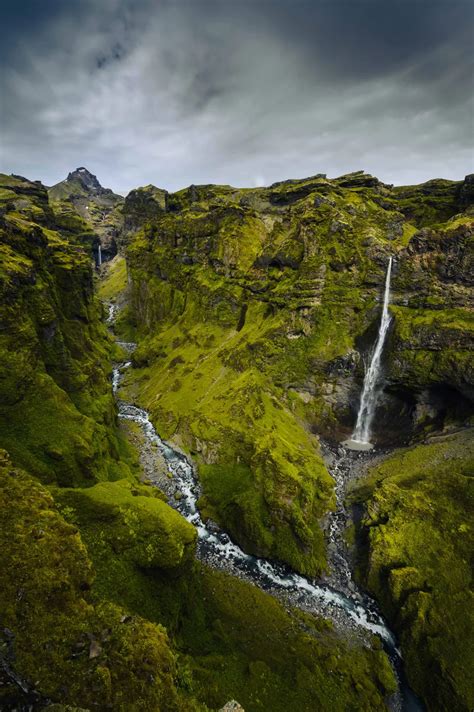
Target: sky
241	92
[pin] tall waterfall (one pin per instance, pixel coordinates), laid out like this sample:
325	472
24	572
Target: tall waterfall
99	256
368	401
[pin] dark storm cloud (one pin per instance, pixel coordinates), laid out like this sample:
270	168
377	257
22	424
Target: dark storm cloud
241	91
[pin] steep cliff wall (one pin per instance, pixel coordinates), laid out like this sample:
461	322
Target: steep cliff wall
416	545
57	412
255	306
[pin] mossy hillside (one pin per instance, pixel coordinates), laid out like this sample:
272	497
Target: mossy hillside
77	650
418	546
249	305
57	413
274	508
114	284
140	206
240	643
432	202
233	640
70	222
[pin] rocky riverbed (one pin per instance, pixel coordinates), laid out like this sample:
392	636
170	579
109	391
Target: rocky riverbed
335	597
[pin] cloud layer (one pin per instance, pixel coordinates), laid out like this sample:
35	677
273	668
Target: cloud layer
245	92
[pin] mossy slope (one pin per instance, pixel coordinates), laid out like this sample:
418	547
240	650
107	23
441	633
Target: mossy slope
252	307
233	640
57	413
418	544
77	650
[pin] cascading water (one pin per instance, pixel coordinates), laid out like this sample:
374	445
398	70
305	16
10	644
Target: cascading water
361	436
99	256
339	599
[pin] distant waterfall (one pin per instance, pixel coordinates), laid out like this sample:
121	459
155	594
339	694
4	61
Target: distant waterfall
369	396
99	256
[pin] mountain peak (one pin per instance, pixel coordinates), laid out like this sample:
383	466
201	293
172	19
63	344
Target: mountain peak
86	178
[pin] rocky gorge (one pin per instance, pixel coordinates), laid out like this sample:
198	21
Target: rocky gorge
254	312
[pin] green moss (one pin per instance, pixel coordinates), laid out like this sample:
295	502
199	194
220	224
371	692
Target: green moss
418	527
243	301
233	640
114	282
431	346
136	522
241	644
57	412
428	203
274	499
76	651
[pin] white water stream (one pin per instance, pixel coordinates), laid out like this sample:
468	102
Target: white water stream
339	600
368	401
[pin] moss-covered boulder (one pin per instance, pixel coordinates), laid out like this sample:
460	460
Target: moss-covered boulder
417	547
136	522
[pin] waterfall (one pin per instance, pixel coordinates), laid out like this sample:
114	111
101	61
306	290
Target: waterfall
368	401
99	256
350	610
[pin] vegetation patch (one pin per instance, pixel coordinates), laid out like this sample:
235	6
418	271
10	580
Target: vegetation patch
418	542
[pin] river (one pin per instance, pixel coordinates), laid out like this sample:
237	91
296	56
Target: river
337	597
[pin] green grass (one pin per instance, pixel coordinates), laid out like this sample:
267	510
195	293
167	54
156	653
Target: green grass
115	281
75	650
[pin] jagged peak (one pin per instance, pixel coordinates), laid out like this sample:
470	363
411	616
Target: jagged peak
85	177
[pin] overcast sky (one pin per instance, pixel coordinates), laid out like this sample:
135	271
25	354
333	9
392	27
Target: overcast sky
246	92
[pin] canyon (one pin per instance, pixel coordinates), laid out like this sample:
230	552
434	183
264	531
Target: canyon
182	522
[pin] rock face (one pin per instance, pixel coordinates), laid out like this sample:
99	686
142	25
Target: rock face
57	415
88	182
256	309
100	207
232	706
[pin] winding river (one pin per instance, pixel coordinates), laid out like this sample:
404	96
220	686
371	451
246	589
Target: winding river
338	598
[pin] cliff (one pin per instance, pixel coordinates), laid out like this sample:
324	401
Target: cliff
57	414
255	309
415	543
102	603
